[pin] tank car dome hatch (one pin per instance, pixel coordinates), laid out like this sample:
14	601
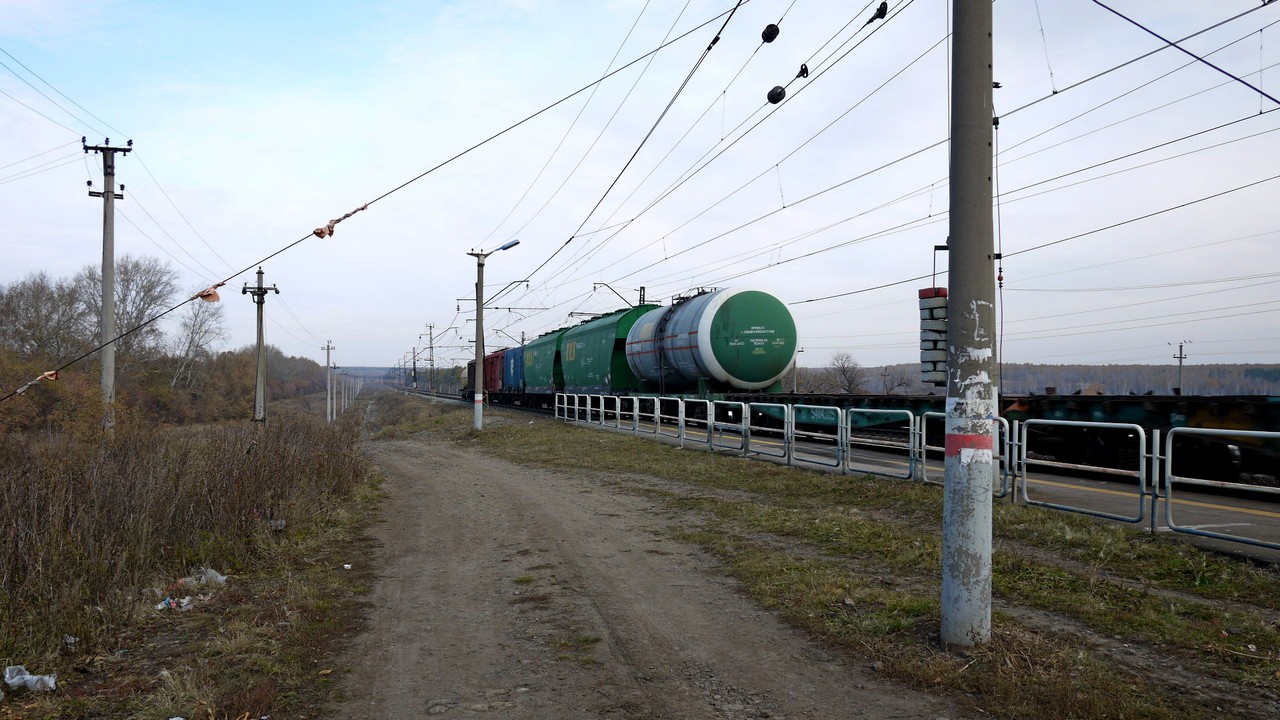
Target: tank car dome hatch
738	338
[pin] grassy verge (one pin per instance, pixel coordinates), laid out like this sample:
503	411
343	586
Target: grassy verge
98	524
1093	620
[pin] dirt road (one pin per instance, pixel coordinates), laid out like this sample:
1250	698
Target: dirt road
512	592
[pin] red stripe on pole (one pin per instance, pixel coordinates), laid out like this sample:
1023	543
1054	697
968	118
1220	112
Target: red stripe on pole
958	441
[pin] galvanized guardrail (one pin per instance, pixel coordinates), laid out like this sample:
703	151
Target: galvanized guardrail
852	440
830	452
1140	474
740	428
771	430
762	431
1170	480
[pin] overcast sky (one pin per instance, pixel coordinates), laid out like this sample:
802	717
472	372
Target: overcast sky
263	120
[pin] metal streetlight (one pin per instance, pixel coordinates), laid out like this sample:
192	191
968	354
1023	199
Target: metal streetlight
795	372
478	390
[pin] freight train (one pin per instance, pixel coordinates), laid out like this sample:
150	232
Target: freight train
705	344
736	344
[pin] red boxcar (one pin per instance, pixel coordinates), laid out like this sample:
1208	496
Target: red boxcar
493	372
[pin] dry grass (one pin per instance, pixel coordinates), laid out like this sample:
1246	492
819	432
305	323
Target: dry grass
94	525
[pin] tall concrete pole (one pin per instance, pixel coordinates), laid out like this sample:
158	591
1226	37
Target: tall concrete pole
478	387
108	320
971	363
431	357
259	294
328	382
478	400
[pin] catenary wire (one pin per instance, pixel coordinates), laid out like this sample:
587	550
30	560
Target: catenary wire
386	194
571	95
756	253
643	141
717	100
1143	56
565	137
1077	84
1198	58
685	177
770	168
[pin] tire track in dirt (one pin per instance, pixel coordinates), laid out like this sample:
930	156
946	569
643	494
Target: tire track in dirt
513	592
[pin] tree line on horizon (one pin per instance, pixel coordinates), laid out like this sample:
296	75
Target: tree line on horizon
174	370
845	375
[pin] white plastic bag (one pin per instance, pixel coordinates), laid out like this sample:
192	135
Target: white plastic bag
213	577
16	676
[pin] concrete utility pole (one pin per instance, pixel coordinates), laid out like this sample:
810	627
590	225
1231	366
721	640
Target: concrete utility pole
478	400
337	391
431	357
328	382
1180	357
108	326
259	294
971	362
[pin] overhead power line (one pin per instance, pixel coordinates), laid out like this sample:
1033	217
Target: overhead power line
643	140
64	96
571	95
318	231
1112	226
1127	63
940	143
1153	33
568	131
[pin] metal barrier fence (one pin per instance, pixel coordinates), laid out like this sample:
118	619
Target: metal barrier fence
634	415
1025	459
761	431
615	412
772	430
1170	480
688	421
819	416
677	418
720	427
882	442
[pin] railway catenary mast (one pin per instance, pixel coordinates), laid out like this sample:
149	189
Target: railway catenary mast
478	400
971	363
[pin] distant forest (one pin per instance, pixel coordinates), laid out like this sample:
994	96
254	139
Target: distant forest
1026	379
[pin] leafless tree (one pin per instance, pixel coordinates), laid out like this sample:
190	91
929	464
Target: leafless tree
145	287
847	375
200	326
42	319
810	380
891	380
